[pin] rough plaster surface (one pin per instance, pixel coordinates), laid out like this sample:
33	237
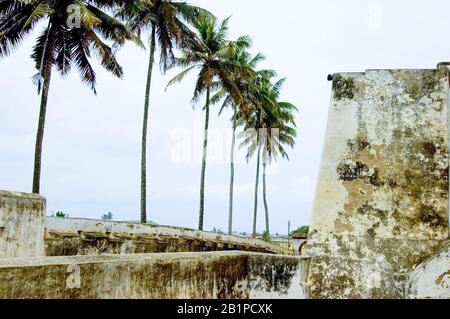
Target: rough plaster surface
272	277
381	204
432	278
172	275
21	224
65	237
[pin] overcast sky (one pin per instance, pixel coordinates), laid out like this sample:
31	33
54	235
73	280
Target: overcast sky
91	156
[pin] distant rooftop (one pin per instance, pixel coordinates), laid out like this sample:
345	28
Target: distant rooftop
300	236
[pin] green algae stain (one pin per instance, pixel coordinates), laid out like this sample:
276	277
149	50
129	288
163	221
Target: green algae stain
343	88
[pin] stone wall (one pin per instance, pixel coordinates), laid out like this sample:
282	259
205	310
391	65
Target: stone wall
81	258
22	219
212	275
381	204
66	237
276	277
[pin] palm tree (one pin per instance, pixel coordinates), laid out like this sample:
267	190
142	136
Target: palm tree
61	45
210	53
165	21
274	142
252	124
270	126
243	82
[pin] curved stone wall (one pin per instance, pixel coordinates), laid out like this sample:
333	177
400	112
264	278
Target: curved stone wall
67	237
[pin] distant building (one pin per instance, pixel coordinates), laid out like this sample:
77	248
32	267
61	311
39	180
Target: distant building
284	242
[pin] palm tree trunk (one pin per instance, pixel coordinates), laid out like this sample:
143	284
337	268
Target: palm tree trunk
205	152
144	130
230	204
255	210
265	201
40	133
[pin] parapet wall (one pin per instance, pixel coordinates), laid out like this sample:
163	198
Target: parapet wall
80	258
68	237
22	218
222	275
381	204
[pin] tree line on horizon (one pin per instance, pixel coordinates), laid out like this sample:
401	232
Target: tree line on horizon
227	73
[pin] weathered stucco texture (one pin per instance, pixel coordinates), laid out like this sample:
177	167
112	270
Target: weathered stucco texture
432	278
381	204
22	218
212	275
69	237
276	277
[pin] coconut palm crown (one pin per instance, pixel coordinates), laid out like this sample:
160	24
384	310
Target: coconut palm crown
267	130
73	31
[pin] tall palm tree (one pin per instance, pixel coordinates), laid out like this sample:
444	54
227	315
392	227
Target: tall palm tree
244	83
165	20
210	53
270	126
252	125
282	119
61	45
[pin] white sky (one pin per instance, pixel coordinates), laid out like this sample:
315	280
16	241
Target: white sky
91	156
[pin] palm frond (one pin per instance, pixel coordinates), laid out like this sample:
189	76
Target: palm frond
63	50
191	13
44	54
104	53
39	12
179	77
15	24
80	55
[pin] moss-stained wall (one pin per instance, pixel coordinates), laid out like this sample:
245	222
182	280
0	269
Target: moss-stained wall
173	275
381	205
22	218
80	258
276	277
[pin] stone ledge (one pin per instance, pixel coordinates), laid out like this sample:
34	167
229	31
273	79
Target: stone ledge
132	238
219	275
4	193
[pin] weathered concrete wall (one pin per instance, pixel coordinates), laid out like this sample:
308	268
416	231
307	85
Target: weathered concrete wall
276	277
432	278
381	204
67	237
173	275
131	272
21	224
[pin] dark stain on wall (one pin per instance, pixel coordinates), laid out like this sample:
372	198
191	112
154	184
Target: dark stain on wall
343	88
